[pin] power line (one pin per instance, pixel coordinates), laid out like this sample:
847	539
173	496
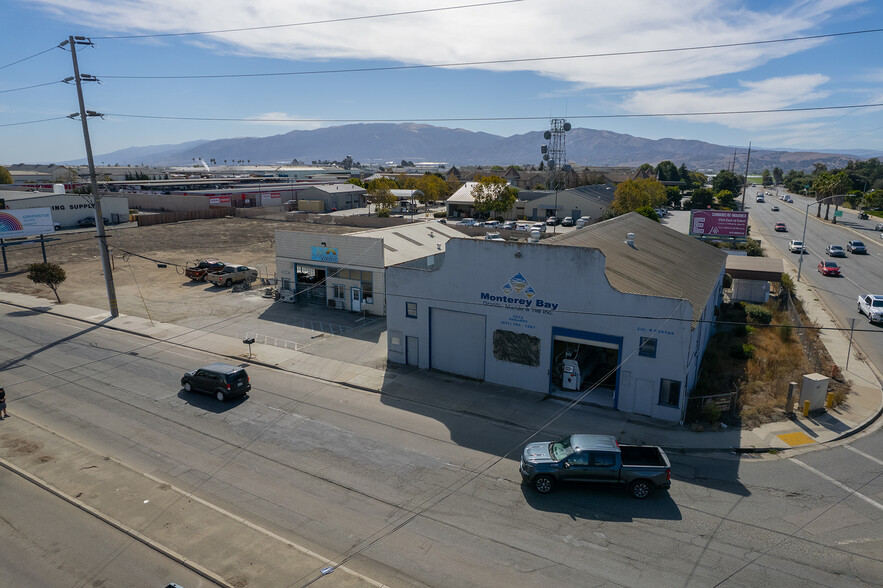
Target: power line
498	61
30	57
30	87
490	118
31	122
309	23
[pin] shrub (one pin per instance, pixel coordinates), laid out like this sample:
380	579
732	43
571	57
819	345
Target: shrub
728	280
441	214
743	351
786	333
383	213
787	283
711	412
759	314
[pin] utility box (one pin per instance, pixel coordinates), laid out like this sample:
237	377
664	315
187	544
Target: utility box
815	390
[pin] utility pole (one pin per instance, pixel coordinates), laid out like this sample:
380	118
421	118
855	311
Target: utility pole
96	199
745	183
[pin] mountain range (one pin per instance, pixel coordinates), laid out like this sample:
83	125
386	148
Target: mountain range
387	143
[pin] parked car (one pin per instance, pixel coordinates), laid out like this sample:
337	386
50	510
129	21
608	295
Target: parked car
872	306
835	251
523	227
796	247
467	222
509	225
774	208
232	274
198	272
538	227
552	221
88	221
856	247
492	224
829	268
583	221
595	458
493	236
781	228
221	380
567	222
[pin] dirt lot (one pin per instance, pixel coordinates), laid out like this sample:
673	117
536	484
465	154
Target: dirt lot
141	287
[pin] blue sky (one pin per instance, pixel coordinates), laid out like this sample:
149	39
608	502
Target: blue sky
504	98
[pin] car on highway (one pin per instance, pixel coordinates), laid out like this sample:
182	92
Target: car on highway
829	268
796	246
221	380
856	247
774	208
835	251
878	227
781	228
872	306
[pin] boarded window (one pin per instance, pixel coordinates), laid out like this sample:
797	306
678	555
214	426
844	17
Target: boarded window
517	348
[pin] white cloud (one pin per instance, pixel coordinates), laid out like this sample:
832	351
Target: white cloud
769	94
526	29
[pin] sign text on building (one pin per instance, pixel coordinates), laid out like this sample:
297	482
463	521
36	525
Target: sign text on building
719	223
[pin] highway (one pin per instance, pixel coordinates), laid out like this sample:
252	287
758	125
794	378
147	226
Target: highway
861	274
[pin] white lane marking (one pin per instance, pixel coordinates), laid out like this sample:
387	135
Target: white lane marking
838	484
863	454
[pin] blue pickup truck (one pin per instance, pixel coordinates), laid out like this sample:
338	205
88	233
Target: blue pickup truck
597	459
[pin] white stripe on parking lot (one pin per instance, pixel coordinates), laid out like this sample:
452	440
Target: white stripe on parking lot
838	484
863	454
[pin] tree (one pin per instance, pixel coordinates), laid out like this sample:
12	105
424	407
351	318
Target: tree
433	188
766	178
725	180
673	196
726	199
667	172
493	194
379	193
356	182
633	194
701	198
777	175
5	176
648	211
684	175
49	274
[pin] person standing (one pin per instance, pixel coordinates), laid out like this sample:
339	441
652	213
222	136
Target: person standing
3	404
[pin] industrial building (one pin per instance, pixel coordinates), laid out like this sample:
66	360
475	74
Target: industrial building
621	310
68	209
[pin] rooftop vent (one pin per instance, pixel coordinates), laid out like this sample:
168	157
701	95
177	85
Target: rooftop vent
630	239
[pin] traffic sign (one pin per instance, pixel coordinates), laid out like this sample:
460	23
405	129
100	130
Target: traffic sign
838	213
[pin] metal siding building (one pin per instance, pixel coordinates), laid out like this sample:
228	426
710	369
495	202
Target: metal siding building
67	209
511	313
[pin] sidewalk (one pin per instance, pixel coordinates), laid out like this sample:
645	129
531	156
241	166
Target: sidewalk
521	408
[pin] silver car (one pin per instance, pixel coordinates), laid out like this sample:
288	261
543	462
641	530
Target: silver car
835	251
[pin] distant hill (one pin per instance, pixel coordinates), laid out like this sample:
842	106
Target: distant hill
380	143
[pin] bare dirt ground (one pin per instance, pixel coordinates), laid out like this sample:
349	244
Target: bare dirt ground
142	288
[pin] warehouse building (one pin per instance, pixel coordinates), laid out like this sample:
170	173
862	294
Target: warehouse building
68	209
620	311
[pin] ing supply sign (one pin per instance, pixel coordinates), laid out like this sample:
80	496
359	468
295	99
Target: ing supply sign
718	223
26	222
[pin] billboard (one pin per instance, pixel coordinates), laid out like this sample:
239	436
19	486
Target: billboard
718	223
26	222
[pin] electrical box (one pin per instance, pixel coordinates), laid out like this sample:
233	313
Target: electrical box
814	389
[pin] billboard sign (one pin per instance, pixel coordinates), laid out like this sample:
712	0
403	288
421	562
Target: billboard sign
718	223
26	222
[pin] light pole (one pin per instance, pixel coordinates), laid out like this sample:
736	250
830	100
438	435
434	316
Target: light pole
803	239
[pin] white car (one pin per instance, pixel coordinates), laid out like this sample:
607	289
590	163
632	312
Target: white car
468	222
796	247
493	224
538	227
494	237
872	306
522	227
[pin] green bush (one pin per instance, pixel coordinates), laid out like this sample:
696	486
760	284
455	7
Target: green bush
440	214
786	333
383	213
743	351
787	283
759	314
711	412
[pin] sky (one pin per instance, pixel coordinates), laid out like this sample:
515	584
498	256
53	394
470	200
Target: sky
502	67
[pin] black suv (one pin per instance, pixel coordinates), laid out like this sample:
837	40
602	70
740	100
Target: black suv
223	380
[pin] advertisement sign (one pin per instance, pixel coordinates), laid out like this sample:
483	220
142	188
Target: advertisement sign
26	222
326	254
271	199
718	223
219	199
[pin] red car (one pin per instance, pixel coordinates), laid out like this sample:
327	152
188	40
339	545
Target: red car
780	227
829	268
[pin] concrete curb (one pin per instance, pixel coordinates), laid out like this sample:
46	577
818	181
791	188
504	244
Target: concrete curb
143	539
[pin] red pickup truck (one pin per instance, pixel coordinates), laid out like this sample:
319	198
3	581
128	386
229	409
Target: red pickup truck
198	272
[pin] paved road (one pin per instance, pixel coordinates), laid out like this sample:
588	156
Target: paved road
45	541
861	273
428	494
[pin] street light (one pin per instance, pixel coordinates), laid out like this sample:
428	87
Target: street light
805	219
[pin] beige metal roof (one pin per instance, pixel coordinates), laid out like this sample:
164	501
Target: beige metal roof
412	241
768	269
662	262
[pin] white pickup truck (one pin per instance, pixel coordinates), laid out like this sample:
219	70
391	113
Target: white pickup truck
872	306
232	274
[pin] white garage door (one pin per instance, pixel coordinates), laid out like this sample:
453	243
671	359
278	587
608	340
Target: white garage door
457	342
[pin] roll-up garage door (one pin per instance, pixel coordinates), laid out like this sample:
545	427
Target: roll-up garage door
457	342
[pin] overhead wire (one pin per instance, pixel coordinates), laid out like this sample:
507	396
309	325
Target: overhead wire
30	57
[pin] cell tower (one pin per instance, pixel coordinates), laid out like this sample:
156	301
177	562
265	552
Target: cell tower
554	152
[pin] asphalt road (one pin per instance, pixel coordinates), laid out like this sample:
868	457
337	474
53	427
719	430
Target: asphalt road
861	274
46	541
429	495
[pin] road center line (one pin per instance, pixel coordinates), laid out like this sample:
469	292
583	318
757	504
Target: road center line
838	484
863	454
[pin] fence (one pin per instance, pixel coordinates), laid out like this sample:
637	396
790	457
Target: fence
726	403
816	353
172	217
